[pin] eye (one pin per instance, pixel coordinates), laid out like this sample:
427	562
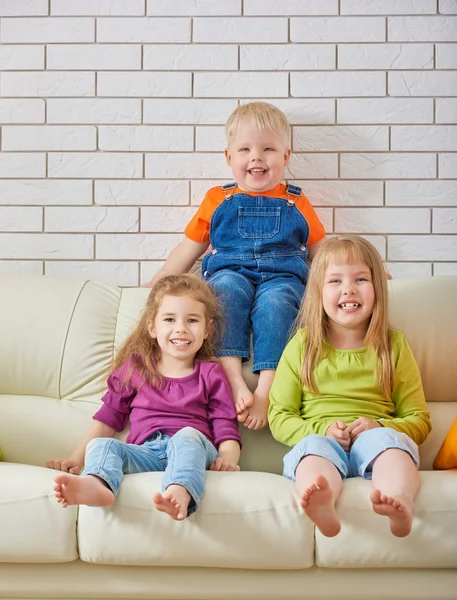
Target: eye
334	280
243	150
169	320
361	279
269	149
192	320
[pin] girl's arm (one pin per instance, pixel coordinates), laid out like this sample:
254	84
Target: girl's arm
411	415
181	259
75	462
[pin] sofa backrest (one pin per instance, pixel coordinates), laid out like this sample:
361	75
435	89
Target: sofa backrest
58	338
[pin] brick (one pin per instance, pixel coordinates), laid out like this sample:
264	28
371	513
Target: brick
340	138
379	242
343	193
192	9
338	29
385	110
166	219
47	30
22	164
186	166
22	111
148	269
112	8
135	246
45	191
446	110
210	139
338	83
94	110
388	166
144	84
388	7
13	218
447	168
46	83
287	57
198	188
21	267
13	8
422	247
312	166
445	220
382	220
48	137
108	272
194	57
94	57
325	216
408	270
422	83
144	138
143	192
239	30
91	219
448	7
143	30
45	245
189	111
385	56
89	165
305	112
240	85
21	58
421	193
446	56
445	269
290	8
424	137
422	29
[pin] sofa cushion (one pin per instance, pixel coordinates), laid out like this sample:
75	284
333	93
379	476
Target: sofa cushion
447	455
245	521
34	527
365	540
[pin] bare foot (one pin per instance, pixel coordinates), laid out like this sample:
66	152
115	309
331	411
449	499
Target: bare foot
88	489
242	396
317	502
399	514
174	501
257	413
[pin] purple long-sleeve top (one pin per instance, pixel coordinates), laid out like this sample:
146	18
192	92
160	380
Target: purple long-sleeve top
202	400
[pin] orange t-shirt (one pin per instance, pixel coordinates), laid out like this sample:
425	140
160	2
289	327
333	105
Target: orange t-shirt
198	228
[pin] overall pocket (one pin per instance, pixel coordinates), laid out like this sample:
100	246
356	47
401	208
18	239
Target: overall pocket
262	222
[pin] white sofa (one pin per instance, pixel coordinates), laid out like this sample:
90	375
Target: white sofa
249	539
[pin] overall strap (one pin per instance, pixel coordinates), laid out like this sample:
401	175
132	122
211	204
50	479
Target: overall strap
229	186
293	190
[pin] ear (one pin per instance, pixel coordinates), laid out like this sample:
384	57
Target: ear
228	156
151	329
209	329
286	157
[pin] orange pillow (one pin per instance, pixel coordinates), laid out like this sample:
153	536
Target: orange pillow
447	455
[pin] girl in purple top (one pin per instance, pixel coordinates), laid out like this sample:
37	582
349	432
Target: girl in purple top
179	404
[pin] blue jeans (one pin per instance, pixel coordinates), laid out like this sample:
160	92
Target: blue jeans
268	307
184	457
361	456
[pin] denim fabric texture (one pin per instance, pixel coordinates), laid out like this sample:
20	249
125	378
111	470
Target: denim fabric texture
361	456
258	269
184	457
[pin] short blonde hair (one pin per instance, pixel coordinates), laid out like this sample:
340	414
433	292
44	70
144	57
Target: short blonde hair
265	117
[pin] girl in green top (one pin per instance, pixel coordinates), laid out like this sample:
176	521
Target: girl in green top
347	393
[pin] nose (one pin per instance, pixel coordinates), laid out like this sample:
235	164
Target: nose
348	290
180	327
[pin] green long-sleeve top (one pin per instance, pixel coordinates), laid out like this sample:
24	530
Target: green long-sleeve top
348	390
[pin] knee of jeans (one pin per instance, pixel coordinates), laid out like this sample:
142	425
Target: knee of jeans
97	443
227	281
189	433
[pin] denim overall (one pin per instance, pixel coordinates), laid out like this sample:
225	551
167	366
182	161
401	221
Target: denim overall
258	269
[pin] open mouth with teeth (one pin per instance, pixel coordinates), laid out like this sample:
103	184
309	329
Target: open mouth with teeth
180	343
257	172
349	305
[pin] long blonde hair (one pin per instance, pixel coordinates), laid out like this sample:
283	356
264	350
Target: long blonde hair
142	352
346	249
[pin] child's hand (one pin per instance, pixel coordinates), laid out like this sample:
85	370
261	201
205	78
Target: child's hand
339	432
359	426
224	464
67	466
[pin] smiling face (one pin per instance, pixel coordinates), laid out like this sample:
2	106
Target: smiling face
257	157
348	297
180	328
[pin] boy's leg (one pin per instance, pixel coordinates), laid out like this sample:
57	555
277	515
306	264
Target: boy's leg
236	294
190	454
318	464
274	311
106	461
391	459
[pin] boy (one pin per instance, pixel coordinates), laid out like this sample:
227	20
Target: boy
262	234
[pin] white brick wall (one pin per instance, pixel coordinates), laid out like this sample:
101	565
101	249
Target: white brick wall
112	115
